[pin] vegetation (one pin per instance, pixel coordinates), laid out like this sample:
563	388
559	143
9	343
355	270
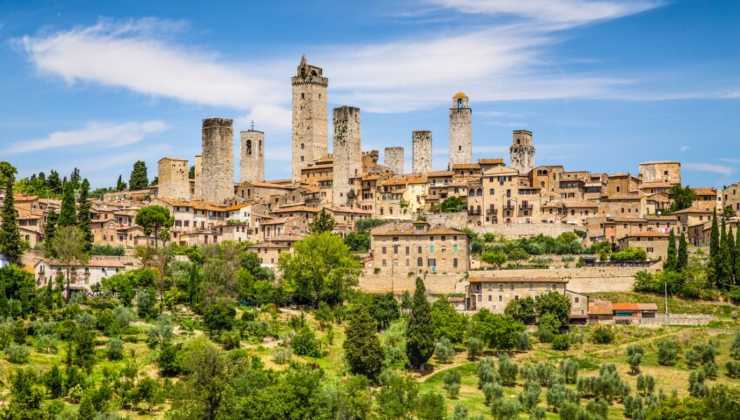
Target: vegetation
139	178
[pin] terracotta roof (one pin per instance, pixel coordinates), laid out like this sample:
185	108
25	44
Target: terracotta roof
704	191
657	184
600	307
692	210
300	208
635	306
506	278
435	174
466	166
402	229
500	170
646	234
492	161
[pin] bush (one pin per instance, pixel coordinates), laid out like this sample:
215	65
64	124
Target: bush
492	392
506	409
474	346
443	350
431	407
733	369
304	343
115	349
282	355
486	372
602	335
451	381
17	353
629	255
522	343
561	342
569	370
230	340
667	352
507	370
635	354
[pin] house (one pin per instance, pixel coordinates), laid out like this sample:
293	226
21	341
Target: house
83	278
604	312
654	243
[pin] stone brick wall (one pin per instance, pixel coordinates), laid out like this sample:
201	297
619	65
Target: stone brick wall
251	156
218	160
309	121
421	142
198	180
173	179
522	151
393	158
347	152
461	132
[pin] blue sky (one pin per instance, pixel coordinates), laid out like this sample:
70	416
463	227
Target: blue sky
603	84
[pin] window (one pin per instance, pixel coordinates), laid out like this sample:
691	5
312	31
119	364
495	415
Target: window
454	262
383	250
420	262
489	297
407	252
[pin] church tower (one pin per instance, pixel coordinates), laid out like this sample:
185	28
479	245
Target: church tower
461	130
309	125
522	151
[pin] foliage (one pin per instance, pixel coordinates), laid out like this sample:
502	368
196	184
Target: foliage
398	395
602	335
635	353
11	246
420	330
561	342
431	407
629	254
106	249
384	309
323	222
554	303
682	197
443	350
139	178
84	214
451	381
304	343
507	370
667	352
68	246
497	331
448	322
362	348
155	220
17	292
452	205
522	310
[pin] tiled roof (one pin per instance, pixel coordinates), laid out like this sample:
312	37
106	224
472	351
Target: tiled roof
392	229
600	307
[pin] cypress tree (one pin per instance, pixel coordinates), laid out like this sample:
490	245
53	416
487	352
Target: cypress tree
420	330
737	254
731	257
139	178
53	182
84	217
68	213
120	185
682	260
10	236
49	230
362	348
670	261
714	252
724	266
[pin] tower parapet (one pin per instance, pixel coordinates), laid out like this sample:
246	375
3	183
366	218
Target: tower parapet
218	160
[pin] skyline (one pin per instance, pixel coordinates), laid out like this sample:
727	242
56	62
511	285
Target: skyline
104	87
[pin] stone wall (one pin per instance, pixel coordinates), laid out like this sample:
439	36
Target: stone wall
421	142
173	181
309	119
251	156
522	151
218	160
198	179
436	284
393	158
461	132
347	151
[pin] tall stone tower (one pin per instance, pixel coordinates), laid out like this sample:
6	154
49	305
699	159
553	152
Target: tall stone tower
393	158
421	151
218	160
198	179
347	152
251	155
461	130
173	179
309	132
522	151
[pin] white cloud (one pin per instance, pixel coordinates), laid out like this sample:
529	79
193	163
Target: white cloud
685	148
569	12
273	118
94	133
710	167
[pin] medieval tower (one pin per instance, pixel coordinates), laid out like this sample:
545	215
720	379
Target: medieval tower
347	152
421	151
173	179
461	130
218	160
393	158
522	151
198	178
251	156
309	126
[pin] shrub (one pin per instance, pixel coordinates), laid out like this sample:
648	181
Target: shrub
697	388
17	353
733	369
569	370
451	381
486	372
645	385
282	355
561	342
629	254
230	340
460	412
304	343
443	350
634	358
667	352
115	349
507	370
506	409
522	343
474	346
431	407
492	392
530	395
602	335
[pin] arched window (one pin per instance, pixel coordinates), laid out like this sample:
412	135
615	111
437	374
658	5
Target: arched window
249	147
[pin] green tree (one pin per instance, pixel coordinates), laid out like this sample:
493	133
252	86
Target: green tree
495	258
384	309
7	170
362	347
670	262
452	205
497	331
11	246
139	178
420	330
683	197
68	212
447	321
682	259
322	222
55	183
68	246
723	265
523	310
714	252
84	215
737	255
431	406
120	185
155	220
320	269
398	395
51	225
730	255
555	303
17	292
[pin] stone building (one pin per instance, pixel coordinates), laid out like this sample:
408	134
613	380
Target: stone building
654	243
522	151
731	197
218	160
393	159
251	156
173	178
461	130
421	151
309	123
404	248
347	152
665	171
198	178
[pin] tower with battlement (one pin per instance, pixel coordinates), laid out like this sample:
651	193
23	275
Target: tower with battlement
218	160
421	151
251	156
393	158
173	181
461	130
347	153
309	120
522	151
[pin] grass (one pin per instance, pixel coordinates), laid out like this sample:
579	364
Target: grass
675	305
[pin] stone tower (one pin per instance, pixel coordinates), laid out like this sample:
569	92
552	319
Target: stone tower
347	152
218	160
198	179
309	132
251	156
421	151
173	179
393	158
522	151
461	130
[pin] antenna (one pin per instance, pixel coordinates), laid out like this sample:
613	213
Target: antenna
252	125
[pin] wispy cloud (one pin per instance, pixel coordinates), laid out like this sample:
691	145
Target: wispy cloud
103	134
710	168
684	148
